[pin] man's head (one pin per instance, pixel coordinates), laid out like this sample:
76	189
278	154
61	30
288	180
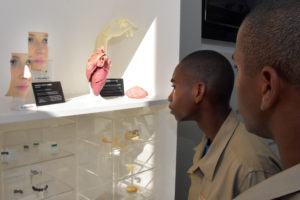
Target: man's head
202	76
267	57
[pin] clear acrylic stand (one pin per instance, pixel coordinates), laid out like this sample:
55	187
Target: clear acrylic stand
43	75
18	103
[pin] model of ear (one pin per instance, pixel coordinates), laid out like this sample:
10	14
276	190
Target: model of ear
97	69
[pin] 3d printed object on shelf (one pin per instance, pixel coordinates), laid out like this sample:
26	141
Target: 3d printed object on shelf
132	135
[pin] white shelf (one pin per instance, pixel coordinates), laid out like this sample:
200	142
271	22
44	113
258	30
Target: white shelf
86	104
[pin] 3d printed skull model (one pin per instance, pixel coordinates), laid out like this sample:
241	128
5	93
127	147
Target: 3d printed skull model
97	69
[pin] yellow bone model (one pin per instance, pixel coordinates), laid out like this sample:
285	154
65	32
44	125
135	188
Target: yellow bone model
116	28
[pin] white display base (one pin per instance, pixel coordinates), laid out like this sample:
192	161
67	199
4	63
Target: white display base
86	104
18	104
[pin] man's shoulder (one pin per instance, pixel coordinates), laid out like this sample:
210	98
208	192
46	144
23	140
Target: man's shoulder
252	152
284	185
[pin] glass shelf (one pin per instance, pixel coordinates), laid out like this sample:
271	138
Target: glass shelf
98	156
34	155
143	183
21	182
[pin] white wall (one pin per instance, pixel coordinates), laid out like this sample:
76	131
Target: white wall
73	26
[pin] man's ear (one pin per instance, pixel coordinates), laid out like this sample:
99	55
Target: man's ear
199	90
269	88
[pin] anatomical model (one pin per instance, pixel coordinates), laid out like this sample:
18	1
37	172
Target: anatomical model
97	69
20	81
116	28
136	92
98	64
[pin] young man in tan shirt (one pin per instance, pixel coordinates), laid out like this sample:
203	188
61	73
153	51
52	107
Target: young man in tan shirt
228	160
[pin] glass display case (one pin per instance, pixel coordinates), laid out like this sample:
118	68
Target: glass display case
91	147
38	159
103	156
116	154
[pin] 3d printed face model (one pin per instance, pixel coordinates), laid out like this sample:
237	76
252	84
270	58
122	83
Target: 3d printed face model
136	92
20	75
97	69
38	50
116	28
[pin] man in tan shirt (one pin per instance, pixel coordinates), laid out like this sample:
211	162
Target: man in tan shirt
228	160
267	57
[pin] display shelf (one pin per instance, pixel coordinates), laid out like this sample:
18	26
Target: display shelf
33	156
21	181
96	168
55	189
99	193
65	196
134	160
54	178
86	104
92	187
143	182
42	124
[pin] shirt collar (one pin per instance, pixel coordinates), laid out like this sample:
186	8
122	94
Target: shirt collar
208	163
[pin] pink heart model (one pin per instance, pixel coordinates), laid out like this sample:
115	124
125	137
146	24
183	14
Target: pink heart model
97	69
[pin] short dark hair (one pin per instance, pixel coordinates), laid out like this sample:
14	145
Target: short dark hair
214	70
271	37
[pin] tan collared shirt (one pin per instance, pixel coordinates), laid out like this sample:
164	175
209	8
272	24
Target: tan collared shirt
284	185
235	161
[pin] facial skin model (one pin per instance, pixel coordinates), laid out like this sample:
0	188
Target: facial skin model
97	69
20	75
38	50
116	28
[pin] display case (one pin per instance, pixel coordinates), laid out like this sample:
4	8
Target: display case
91	147
116	159
38	159
104	156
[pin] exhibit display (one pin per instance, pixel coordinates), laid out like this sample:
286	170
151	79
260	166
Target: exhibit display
116	28
85	147
20	75
98	64
38	50
38	53
136	92
97	69
20	80
111	153
35	166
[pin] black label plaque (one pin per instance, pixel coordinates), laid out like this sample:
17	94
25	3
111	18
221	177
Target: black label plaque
113	87
46	93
